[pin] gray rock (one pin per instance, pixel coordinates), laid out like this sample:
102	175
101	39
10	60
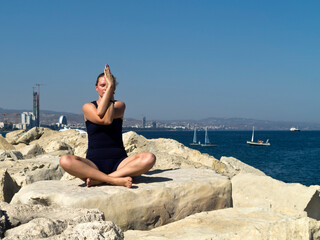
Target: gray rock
13	136
31	135
10	155
38	222
8	186
235	167
4	145
30	170
31	151
250	190
156	198
234	224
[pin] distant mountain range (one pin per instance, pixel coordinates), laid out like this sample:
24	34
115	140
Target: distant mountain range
52	117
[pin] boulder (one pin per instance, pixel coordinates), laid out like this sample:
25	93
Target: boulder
31	151
250	190
8	186
4	145
13	136
170	153
31	135
27	171
233	224
10	155
36	222
2	224
235	167
70	140
156	198
55	146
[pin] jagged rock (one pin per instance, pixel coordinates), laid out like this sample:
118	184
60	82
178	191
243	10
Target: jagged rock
4	145
8	186
31	151
93	230
30	170
234	224
13	136
2	224
10	155
156	198
37	222
235	167
250	190
31	135
70	138
55	146
171	153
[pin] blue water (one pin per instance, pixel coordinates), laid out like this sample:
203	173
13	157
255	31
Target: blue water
292	156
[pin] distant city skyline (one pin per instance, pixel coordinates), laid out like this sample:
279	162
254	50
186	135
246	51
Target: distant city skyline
173	59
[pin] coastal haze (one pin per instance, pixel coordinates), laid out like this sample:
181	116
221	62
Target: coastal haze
51	118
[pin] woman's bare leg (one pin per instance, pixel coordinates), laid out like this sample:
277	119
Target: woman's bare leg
135	165
84	169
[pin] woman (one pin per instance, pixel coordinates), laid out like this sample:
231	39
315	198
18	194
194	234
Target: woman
106	160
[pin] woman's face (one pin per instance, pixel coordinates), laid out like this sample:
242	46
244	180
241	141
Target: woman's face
101	86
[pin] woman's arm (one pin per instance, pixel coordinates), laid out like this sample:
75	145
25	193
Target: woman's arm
115	110
108	94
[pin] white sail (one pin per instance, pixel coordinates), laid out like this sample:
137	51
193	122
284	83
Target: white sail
252	134
206	139
195	135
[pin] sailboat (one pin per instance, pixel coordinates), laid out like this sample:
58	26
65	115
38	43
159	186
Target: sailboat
259	143
194	142
207	142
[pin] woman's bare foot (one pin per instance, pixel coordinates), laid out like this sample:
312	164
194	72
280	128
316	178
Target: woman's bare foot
122	181
117	181
91	182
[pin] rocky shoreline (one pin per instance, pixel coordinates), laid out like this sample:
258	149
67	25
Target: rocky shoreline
186	195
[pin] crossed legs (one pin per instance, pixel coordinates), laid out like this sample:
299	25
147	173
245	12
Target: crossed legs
132	166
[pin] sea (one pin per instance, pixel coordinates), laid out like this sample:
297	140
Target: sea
292	157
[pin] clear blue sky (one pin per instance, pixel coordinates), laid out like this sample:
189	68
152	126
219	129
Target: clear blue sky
173	59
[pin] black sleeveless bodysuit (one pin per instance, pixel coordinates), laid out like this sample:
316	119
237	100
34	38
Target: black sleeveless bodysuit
105	146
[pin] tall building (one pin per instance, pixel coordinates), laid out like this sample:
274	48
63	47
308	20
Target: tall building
36	107
144	122
27	120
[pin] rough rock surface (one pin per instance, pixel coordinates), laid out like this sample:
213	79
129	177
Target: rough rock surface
13	136
234	224
36	222
4	145
250	190
170	153
44	167
31	151
156	198
32	134
8	186
235	167
10	155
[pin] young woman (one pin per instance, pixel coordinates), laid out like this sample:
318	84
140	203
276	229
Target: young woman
106	160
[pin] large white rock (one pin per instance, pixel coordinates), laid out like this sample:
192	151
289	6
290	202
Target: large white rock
31	135
235	167
156	199
4	145
28	171
233	224
13	136
170	153
37	222
8	186
250	190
